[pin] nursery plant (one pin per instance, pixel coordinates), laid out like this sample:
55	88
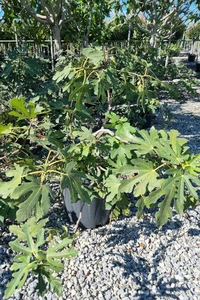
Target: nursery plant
41	251
106	80
21	74
94	153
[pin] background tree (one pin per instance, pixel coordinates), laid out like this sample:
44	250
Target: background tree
158	15
51	14
193	33
90	19
82	20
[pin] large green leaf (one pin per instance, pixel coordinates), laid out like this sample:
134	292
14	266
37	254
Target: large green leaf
23	263
174	188
165	211
23	112
165	186
5	129
34	226
33	243
7	188
95	55
57	251
125	131
193	164
7	210
30	243
144	141
119	207
62	74
85	135
17	246
112	183
122	152
73	180
140	205
19	277
144	177
55	283
32	193
170	147
41	286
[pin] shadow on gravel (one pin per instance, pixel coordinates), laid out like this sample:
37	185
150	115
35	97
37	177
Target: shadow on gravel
146	276
194	232
140	272
187	123
6	257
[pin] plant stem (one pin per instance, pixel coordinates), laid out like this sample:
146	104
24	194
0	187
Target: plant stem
102	131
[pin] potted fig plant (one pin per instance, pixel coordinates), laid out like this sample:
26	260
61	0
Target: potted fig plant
193	34
87	161
116	160
105	162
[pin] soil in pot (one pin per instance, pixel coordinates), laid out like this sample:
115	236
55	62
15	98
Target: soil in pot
92	215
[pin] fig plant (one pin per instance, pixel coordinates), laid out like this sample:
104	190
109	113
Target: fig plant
93	152
40	254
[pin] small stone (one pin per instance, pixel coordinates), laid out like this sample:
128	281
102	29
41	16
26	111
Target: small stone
17	295
179	278
183	297
69	284
163	241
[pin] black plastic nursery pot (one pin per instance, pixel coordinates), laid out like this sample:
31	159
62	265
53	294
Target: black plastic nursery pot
198	67
148	121
142	121
93	215
191	57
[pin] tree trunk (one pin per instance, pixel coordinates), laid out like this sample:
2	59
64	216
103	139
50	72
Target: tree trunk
168	46
192	47
153	41
129	34
57	39
86	38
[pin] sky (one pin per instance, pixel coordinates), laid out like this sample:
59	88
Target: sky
193	9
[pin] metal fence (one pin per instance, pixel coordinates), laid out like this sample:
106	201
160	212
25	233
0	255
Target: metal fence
46	48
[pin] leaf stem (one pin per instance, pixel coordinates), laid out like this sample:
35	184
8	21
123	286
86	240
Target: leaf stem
56	162
164	164
46	161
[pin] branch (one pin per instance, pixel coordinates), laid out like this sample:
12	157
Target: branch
40	18
64	12
49	10
102	131
86	40
78	221
59	9
167	17
109	106
143	29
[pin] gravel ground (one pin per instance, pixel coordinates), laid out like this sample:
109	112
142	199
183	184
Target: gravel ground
184	117
130	259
